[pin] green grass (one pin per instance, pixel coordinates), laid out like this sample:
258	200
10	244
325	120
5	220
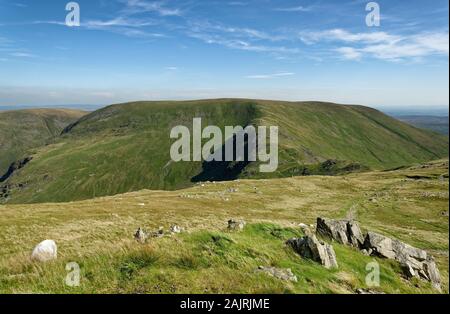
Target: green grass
123	148
212	262
22	130
206	258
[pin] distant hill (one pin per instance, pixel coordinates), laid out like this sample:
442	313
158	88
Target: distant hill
126	147
21	130
434	123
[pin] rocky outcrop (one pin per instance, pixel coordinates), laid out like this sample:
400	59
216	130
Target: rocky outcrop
310	247
346	232
45	251
14	167
415	262
141	235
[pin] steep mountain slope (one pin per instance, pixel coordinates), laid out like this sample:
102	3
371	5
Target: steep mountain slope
126	147
21	130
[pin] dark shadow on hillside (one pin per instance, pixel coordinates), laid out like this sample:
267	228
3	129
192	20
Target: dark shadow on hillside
224	170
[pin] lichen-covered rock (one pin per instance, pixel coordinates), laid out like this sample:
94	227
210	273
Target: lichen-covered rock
310	247
45	251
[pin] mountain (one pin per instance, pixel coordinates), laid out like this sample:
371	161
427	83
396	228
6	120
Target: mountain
126	147
435	123
22	130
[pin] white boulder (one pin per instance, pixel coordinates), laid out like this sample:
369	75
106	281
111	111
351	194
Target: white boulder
45	251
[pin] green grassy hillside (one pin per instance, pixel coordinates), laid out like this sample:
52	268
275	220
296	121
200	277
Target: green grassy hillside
408	204
126	147
21	130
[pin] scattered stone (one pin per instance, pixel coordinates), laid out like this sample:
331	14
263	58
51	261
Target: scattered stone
236	225
415	262
141	235
366	252
45	251
283	274
303	226
159	233
310	247
175	229
346	232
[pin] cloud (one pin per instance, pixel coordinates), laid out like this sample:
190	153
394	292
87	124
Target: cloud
346	36
159	7
22	55
349	53
237	3
120	21
294	9
269	76
381	45
238	38
241	44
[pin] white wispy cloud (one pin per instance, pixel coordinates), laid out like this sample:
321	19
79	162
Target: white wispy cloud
381	45
22	55
349	53
269	76
241	44
346	36
120	21
239	38
159	7
294	9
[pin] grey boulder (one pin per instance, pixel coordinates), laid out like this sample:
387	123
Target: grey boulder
346	232
310	247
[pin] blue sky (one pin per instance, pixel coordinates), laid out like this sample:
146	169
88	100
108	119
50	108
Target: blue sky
128	50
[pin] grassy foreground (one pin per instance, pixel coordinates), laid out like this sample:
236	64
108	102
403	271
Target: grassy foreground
410	204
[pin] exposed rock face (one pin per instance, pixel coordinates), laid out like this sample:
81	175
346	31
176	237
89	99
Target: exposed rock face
416	262
283	274
45	251
141	235
236	225
346	232
311	248
14	167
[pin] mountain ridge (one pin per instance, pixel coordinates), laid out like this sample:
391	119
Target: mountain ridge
125	147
